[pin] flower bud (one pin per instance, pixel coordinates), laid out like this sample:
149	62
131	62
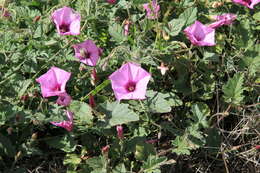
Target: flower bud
120	132
105	149
92	101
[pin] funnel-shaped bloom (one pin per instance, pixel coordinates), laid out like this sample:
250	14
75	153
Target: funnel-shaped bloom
200	35
130	82
68	125
247	3
64	99
67	21
152	9
225	19
53	82
87	52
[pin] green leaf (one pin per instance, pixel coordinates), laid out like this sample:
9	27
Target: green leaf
153	164
233	89
185	19
256	16
143	150
161	103
175	26
98	164
117	113
189	15
24	87
64	143
182	145
116	31
200	112
119	169
82	112
72	159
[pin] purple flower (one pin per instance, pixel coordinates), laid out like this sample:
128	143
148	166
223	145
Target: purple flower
200	35
67	21
152	9
53	82
225	19
87	52
68	125
247	3
130	82
120	132
64	99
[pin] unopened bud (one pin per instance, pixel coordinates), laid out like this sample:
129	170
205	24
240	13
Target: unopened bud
120	132
36	19
105	149
92	101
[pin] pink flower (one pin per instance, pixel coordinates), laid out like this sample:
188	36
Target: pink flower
200	35
247	3
64	99
225	19
68	125
87	52
67	21
53	82
130	82
120	132
111	1
152	9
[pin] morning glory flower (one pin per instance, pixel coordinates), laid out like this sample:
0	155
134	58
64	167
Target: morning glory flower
152	9
53	82
68	125
67	21
247	3
224	19
64	99
200	35
130	82
87	52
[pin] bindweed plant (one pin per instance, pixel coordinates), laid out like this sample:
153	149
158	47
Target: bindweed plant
117	86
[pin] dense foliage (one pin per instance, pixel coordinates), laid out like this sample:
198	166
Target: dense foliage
201	106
